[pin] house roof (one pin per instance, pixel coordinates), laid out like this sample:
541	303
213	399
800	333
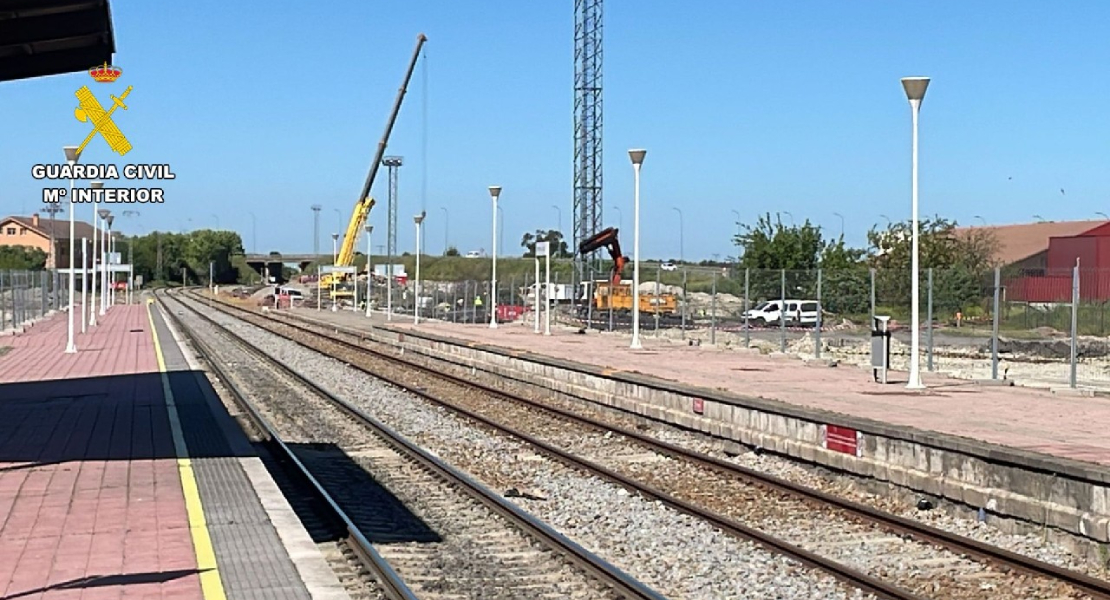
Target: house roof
61	227
51	37
1018	242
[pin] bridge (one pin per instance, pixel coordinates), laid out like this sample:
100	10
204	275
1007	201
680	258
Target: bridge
275	260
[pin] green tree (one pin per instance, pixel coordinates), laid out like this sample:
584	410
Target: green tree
451	251
769	248
555	238
216	247
22	258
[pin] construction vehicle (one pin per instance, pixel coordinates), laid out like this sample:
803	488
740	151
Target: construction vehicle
617	295
338	282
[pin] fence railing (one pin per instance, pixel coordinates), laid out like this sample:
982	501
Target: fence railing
1001	324
28	295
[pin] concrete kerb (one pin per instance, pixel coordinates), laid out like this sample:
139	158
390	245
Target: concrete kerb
1067	494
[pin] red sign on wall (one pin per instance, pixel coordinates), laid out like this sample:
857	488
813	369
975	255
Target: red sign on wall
699	406
842	439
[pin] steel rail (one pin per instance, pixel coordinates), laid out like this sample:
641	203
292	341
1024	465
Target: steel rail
599	568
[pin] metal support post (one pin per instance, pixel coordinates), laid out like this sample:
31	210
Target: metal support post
747	308
929	323
546	293
684	303
817	325
713	313
872	272
782	310
1073	379
658	273
995	318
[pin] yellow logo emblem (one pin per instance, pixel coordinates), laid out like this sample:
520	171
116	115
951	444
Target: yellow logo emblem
90	111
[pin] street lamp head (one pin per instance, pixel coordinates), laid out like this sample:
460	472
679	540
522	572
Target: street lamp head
72	155
637	156
418	219
109	219
96	185
369	229
915	87
494	191
104	212
334	236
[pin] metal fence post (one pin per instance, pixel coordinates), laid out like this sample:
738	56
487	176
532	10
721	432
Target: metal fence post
42	294
872	271
817	326
747	309
658	273
684	303
994	325
929	323
713	314
1073	379
782	310
3	304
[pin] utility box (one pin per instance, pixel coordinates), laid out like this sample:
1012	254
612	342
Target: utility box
880	347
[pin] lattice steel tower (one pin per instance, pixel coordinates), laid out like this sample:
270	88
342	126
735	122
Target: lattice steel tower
587	210
393	163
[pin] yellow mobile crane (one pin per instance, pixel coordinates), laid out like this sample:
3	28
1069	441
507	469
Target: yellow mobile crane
365	202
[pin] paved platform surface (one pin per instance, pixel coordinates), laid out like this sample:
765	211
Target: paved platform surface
95	499
1033	420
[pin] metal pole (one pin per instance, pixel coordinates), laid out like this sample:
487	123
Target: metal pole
684	304
929	323
713	314
93	291
872	271
817	326
536	300
546	296
747	307
995	319
915	282
369	272
1074	360
493	283
416	287
636	263
782	310
84	284
658	272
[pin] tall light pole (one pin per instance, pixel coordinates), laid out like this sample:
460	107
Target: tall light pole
418	219
681	234
836	214
494	192
369	270
446	224
1103	215
340	215
981	219
637	157
915	93
216	218
109	297
559	222
334	258
737	213
71	348
620	217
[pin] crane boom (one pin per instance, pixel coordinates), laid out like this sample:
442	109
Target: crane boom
364	202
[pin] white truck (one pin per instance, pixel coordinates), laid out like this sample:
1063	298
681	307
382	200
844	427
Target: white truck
559	292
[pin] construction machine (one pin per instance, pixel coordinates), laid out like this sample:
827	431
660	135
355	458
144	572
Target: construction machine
338	281
615	295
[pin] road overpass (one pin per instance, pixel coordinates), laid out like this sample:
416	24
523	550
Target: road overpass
274	262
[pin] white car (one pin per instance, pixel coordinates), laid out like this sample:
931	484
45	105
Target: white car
668	266
798	312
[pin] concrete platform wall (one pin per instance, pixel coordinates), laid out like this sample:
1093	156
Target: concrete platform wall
1066	494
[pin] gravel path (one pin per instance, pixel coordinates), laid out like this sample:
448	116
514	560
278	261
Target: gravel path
680	556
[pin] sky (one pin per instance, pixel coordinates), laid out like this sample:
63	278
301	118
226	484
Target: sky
266	108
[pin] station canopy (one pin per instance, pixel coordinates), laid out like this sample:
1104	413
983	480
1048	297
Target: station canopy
39	38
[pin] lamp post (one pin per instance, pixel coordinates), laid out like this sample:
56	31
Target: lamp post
369	270
620	217
981	219
915	93
418	219
836	214
559	222
637	157
216	218
446	225
1103	215
681	241
100	253
494	192
71	348
737	213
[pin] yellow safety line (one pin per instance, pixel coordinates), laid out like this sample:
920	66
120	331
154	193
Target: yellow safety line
210	583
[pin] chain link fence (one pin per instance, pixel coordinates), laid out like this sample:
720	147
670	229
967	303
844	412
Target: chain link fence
1041	326
26	296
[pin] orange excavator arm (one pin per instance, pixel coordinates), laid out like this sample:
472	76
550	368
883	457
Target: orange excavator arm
606	238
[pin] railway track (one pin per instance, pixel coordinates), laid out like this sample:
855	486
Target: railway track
459	540
904	557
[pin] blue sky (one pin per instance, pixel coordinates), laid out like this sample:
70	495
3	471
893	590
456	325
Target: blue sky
270	107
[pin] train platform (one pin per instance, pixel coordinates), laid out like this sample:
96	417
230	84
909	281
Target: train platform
123	476
1028	419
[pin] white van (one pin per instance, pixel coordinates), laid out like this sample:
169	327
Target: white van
798	313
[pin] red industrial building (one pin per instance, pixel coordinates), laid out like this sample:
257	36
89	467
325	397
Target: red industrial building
1045	275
